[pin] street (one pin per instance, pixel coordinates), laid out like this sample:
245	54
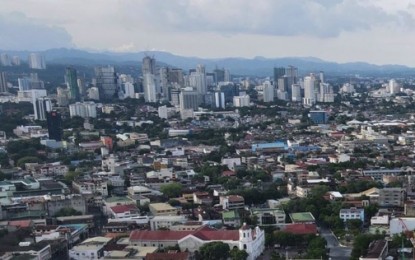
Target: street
336	251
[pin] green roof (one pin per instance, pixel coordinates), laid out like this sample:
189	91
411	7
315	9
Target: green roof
230	214
302	217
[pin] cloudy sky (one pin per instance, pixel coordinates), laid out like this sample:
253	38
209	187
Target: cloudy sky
376	31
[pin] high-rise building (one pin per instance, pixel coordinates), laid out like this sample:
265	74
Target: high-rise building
296	93
394	87
62	96
230	90
36	61
220	100
326	93
54	121
32	82
148	65
41	107
71	80
278	73
309	90
200	79
150	87
321	76
84	110
93	93
3	82
175	75
16	61
241	101
5	60
268	91
106	82
189	100
127	90
219	75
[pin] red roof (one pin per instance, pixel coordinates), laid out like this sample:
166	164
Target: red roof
20	223
228	173
158	235
123	208
203	233
217	235
168	256
301	229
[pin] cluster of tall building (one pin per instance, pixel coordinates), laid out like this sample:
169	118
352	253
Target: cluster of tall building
35	61
6	60
287	86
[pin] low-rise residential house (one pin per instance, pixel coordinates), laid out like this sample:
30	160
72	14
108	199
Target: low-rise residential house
232	202
202	198
166	222
352	213
124	211
92	248
162	209
269	217
91	187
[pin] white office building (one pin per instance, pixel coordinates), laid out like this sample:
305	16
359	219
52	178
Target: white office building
309	90
36	61
150	87
268	91
84	110
241	101
41	106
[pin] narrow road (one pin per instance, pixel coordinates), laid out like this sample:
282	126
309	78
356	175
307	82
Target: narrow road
337	251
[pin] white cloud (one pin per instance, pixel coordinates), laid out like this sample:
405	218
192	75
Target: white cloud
18	32
346	30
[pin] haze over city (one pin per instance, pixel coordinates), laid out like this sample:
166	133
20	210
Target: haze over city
375	31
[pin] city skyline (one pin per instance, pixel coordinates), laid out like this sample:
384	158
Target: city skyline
379	32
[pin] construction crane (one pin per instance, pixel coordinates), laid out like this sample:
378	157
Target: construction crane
409	235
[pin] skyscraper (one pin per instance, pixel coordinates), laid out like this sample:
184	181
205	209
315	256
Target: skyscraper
150	87
106	82
296	93
3	82
54	121
71	81
148	65
268	92
36	61
309	90
278	73
200	79
189	100
220	100
42	106
5	60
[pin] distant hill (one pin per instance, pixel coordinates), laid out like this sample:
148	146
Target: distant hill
258	66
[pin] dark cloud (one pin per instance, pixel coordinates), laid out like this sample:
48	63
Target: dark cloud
18	32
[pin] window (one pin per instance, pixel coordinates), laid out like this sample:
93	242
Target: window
245	246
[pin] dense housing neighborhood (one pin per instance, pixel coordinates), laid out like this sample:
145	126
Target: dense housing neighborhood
161	163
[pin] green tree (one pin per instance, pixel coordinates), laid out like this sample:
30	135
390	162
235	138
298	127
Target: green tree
237	254
214	251
172	190
27	159
70	176
67	212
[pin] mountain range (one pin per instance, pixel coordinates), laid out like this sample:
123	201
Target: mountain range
258	66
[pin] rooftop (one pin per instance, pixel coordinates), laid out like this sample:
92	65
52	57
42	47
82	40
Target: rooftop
302	217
